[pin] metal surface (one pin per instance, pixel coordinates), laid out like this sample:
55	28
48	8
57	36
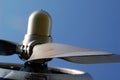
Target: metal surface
39	30
39	23
71	53
94	59
39	27
12	66
56	74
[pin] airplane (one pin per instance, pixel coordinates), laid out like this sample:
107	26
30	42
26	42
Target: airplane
37	49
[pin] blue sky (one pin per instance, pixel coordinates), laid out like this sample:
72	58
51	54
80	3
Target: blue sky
93	24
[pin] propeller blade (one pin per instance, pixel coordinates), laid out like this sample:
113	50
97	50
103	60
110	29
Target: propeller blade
93	59
71	53
7	47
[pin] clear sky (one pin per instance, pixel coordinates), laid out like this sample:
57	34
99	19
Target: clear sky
93	24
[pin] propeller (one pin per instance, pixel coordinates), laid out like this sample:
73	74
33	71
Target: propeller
37	45
37	49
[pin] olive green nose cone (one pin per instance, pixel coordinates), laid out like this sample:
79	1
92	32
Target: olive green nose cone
39	23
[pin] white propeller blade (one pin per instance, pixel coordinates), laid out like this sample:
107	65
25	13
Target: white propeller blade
94	59
70	53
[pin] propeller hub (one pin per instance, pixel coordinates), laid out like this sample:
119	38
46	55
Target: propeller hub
39	29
